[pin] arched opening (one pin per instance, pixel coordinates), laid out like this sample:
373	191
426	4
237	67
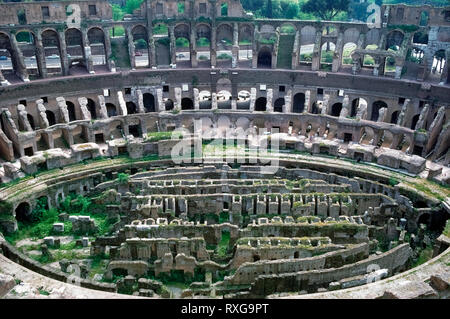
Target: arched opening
92	109
326	56
71	111
224	44
111	109
50	117
96	39
376	106
438	64
149	102
336	109
75	50
394	117
307	40
131	108
394	39
314	108
187	104
243	102
31	121
260	104
23	212
425	219
162	44
415	119
120	272
424	19
256	258
204	100
140	41
348	49
265	58
420	38
368	60
278	105
224	100
168	104
299	103
50	42
27	45
203	38
182	44
245	44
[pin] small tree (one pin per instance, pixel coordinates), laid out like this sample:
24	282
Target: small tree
325	9
269	12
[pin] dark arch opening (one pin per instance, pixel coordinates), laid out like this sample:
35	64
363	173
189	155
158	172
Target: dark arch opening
278	105
23	212
425	218
314	109
31	121
111	109
120	272
168	105
376	106
71	111
260	104
415	119
187	104
265	59
355	105
336	109
50	117
149	102
299	103
131	108
394	117
91	108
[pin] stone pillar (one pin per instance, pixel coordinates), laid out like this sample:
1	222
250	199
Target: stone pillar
159	99
196	99
296	51
103	110
307	107
269	100
87	51
255	48
288	102
151	47
177	92
235	49
17	60
63	109
398	68
85	114
345	107
252	99
173	46
140	97
23	119
108	50
122	104
315	65
43	121
423	117
131	51
40	55
63	53
337	57
326	101
275	49
402	116
213	44
214	101
193	46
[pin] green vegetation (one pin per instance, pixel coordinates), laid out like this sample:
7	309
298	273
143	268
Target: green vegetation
123	178
159	136
446	231
222	247
393	181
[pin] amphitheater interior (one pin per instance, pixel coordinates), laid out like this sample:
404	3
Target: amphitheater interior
204	152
